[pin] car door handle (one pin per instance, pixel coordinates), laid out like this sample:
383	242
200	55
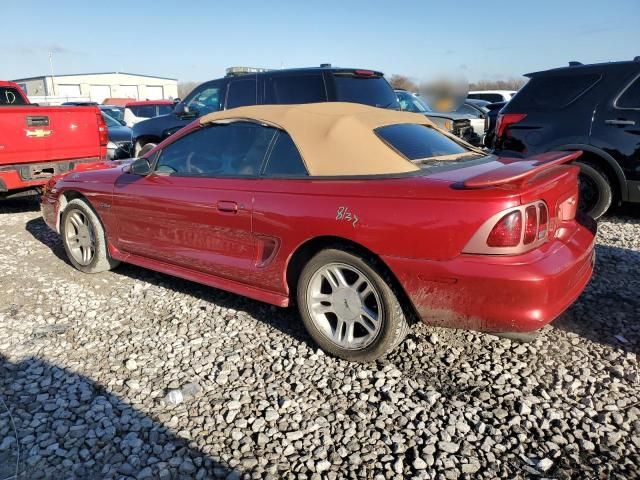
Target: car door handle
619	122
227	206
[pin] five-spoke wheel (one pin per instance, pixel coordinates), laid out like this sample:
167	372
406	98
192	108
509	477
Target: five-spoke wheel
349	307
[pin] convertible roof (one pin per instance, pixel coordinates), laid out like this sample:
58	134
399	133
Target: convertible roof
334	138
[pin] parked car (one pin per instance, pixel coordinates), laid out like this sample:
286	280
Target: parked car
364	217
135	112
453	122
113	111
476	112
492	119
120	144
287	86
594	108
80	104
39	142
492	96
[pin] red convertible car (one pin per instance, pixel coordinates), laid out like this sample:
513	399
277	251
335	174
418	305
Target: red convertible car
366	218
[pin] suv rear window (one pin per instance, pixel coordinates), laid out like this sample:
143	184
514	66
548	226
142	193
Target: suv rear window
143	111
554	92
416	142
10	96
369	90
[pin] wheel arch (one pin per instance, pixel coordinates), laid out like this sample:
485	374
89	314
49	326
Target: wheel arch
607	163
65	198
305	251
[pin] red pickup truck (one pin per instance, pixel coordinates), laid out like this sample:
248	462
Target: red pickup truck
39	142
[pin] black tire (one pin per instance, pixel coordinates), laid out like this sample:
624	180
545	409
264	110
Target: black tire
100	260
596	193
393	323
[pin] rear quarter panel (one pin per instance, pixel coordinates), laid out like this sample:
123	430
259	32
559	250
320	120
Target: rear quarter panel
411	217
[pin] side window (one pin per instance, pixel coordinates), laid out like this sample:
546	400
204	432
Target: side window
285	160
206	100
555	91
143	111
631	96
241	93
220	150
281	89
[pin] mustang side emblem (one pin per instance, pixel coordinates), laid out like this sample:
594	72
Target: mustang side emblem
39	133
344	214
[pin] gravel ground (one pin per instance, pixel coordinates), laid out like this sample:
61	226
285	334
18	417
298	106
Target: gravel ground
85	361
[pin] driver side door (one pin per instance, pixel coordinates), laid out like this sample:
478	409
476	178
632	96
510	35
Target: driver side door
194	209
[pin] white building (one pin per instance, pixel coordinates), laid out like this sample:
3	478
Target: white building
96	87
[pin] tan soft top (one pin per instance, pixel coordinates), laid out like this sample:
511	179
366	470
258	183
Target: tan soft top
334	138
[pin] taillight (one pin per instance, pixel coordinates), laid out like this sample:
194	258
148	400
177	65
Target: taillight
365	73
513	232
506	233
543	221
103	131
530	224
507	119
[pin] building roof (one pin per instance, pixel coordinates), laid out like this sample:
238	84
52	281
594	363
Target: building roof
95	73
334	138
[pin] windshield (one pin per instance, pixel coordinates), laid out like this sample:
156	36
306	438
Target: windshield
412	103
369	90
110	121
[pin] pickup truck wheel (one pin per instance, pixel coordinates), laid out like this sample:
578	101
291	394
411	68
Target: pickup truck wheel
348	307
84	239
596	194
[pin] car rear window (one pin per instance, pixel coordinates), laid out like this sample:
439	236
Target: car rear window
553	92
368	90
10	96
416	142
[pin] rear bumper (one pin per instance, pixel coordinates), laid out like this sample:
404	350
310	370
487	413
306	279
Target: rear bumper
501	293
32	175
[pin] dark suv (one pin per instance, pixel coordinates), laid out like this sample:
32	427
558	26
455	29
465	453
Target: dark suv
593	108
303	85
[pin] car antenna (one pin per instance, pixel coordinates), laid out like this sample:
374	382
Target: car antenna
573	63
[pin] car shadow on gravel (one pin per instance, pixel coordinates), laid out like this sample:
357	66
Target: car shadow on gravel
55	423
284	319
607	312
19	205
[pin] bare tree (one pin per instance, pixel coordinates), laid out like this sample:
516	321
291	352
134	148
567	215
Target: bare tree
405	83
184	88
514	83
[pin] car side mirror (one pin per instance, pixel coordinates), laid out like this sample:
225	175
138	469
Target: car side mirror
140	166
181	110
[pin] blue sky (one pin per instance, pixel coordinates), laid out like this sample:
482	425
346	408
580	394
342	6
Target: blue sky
197	40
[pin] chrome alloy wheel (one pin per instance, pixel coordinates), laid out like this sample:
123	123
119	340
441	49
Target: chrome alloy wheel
345	305
80	237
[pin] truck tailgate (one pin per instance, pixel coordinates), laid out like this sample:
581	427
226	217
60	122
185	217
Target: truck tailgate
31	134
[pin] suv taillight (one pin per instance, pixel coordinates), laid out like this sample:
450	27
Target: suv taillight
513	232
103	131
507	119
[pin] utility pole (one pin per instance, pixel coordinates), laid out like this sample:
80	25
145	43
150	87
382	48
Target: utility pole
53	78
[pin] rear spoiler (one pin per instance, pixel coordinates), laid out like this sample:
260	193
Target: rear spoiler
516	170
